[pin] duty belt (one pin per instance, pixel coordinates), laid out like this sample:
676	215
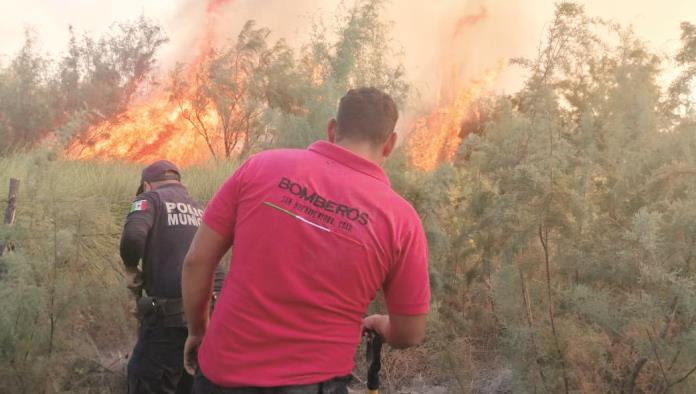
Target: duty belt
169	306
167	312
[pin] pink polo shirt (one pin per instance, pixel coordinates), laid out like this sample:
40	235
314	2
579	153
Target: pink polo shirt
315	234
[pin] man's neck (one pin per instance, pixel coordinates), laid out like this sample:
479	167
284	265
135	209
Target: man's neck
363	149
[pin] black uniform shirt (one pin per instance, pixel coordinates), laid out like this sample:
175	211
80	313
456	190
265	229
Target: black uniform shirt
159	230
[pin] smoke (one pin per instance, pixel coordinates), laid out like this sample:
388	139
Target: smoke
469	20
454	42
444	44
497	29
201	22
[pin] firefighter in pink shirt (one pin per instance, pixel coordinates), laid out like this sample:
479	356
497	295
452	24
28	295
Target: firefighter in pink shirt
315	233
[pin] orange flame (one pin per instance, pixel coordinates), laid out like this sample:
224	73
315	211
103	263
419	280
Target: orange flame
436	137
152	130
158	128
155	127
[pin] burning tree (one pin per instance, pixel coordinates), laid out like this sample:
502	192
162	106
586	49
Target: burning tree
94	80
573	221
236	84
236	98
101	76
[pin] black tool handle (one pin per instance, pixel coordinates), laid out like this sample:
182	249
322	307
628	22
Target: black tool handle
374	357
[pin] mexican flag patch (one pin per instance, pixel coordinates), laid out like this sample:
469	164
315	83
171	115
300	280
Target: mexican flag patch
139	205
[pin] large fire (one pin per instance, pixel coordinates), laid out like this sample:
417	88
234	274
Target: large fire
150	130
156	127
435	138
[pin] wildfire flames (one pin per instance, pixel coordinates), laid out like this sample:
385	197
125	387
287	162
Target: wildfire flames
436	137
151	130
156	127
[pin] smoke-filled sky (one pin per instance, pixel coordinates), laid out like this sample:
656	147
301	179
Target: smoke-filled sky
505	28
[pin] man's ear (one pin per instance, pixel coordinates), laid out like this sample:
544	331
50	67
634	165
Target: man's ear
331	130
390	144
147	187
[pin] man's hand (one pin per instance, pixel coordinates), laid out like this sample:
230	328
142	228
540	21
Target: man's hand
377	323
399	331
191	354
134	281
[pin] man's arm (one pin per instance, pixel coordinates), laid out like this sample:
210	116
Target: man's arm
406	292
198	270
135	231
213	238
134	236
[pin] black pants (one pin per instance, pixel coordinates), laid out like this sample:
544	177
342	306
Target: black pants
202	385
157	363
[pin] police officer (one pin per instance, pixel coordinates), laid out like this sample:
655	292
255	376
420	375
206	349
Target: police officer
161	223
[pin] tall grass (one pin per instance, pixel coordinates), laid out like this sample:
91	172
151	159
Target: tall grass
66	324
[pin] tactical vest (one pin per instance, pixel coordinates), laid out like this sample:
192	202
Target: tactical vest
177	217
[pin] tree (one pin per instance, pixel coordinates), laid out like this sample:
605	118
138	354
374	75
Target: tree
562	236
680	94
25	101
263	95
362	54
572	218
237	84
97	79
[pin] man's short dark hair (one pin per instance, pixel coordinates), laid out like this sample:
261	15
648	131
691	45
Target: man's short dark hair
366	114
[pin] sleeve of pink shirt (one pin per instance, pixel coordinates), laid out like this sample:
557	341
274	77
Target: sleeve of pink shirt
407	288
221	212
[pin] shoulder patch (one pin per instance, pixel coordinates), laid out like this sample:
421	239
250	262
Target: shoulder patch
139	205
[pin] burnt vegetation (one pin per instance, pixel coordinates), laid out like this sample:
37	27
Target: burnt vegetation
562	237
